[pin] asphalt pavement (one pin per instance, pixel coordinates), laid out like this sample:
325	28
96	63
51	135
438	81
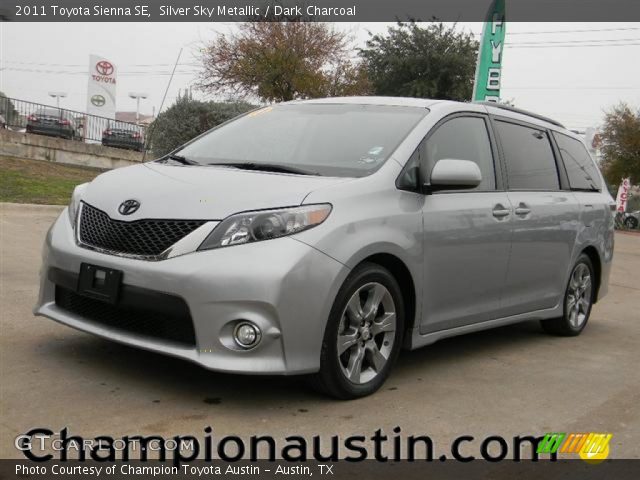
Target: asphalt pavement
509	381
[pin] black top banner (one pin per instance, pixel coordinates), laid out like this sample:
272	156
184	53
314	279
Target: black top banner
313	10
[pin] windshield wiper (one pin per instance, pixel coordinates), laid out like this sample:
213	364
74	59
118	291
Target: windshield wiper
181	159
265	167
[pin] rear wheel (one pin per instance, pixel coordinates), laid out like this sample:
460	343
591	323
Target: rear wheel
363	335
578	299
631	222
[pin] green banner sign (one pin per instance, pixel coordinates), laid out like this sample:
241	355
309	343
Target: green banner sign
489	67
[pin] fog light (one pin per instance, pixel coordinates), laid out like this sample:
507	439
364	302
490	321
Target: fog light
246	334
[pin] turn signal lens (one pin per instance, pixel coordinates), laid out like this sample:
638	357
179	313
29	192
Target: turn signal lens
76	197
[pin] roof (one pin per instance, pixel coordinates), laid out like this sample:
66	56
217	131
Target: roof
365	100
509	108
493	108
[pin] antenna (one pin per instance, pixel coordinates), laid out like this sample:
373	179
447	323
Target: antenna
153	127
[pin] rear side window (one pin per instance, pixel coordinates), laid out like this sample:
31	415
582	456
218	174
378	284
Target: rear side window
463	138
529	157
582	173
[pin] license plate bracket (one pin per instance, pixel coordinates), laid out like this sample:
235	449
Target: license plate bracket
100	283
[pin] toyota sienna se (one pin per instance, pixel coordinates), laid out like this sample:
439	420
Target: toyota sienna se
321	237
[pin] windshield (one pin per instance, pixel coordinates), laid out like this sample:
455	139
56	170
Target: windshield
326	139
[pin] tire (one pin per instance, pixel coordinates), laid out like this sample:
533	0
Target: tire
631	222
575	315
371	338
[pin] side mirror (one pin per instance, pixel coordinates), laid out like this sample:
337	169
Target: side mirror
449	174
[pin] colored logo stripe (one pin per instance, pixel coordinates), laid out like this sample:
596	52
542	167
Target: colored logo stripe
582	443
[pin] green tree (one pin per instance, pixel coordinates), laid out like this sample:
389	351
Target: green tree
281	61
436	61
187	118
620	137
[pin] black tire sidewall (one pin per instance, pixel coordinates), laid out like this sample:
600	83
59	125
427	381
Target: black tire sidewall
330	371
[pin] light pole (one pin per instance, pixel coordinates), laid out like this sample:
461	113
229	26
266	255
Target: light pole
137	96
58	96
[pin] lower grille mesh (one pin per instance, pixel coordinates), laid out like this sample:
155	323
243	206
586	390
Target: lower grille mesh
176	327
141	237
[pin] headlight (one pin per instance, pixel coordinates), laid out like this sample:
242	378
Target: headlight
264	225
76	196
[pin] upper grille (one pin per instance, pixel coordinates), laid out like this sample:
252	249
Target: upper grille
147	238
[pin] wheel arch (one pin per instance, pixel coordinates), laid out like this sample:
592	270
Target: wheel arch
404	277
592	252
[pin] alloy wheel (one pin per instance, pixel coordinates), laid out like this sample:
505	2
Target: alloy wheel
578	299
366	333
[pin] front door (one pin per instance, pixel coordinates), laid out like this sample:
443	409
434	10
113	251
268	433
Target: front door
467	234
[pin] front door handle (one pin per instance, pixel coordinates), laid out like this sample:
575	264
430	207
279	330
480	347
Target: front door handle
500	212
523	210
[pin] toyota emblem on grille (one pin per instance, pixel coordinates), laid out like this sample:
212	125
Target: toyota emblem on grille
128	207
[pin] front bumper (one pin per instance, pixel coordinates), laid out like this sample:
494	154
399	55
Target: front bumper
284	286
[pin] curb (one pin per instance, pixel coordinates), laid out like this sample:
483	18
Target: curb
627	232
30	207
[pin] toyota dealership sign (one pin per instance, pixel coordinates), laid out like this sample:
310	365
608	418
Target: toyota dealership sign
101	91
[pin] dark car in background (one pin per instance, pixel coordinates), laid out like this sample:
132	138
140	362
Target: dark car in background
126	136
53	122
632	219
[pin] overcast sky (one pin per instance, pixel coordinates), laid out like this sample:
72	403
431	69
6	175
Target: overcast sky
571	74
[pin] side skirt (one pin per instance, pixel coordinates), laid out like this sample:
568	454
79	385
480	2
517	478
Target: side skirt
417	340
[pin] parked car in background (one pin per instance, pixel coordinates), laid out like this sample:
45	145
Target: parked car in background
3	123
126	136
53	122
632	219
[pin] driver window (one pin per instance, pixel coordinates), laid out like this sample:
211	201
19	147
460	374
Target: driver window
463	138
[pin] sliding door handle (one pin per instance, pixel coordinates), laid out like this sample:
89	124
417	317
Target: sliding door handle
500	212
522	210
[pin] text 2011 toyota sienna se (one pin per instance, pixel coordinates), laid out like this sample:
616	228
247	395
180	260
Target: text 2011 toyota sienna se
321	237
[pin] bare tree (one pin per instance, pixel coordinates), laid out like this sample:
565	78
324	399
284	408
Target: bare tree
280	61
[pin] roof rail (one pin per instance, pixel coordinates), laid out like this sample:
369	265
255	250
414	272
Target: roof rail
523	112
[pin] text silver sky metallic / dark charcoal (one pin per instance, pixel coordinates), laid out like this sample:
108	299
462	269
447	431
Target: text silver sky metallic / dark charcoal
322	10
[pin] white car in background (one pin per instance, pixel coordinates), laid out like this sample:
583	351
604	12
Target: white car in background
632	219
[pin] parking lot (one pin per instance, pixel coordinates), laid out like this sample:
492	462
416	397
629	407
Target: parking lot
510	381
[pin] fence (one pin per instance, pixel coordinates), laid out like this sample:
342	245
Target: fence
21	115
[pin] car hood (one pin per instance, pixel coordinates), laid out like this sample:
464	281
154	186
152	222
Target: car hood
197	193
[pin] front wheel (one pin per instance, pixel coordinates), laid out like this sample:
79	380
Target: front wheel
578	299
363	335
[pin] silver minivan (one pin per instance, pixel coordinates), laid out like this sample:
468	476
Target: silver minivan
321	237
